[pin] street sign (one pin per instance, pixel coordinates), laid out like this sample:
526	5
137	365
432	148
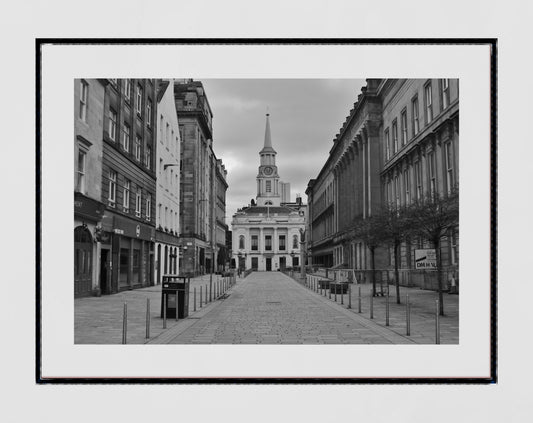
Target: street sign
425	259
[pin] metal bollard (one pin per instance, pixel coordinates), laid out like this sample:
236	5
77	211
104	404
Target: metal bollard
330	290
147	318
407	316
437	323
194	298
349	295
335	292
387	308
165	311
371	305
210	292
125	324
200	296
342	294
205	299
177	311
359	299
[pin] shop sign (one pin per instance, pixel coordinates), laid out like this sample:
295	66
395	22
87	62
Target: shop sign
425	259
126	227
87	207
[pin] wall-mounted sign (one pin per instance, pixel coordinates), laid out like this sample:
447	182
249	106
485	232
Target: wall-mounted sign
425	259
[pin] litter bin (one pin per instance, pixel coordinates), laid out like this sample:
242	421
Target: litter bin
176	291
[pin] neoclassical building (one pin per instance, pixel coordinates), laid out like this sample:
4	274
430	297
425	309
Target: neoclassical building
266	235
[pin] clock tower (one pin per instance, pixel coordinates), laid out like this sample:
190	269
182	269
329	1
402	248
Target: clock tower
268	179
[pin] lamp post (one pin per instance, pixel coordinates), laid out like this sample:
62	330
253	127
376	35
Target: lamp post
302	252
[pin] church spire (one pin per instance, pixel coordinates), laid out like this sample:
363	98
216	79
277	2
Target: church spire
267	148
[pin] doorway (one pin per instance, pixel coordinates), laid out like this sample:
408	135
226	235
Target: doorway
269	264
104	272
282	263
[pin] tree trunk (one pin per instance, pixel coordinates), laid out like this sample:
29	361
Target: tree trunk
436	243
373	264
396	272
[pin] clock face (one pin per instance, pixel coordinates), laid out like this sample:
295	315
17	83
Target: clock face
268	170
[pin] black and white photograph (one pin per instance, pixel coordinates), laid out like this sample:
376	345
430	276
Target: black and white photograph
266	211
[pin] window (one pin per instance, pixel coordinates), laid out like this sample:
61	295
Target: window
241	242
418	176
161	129
148	207
126	197
139	102
80	184
453	247
112	188
268	242
416	121
138	198
268	186
148	157
429	103
444	93
149	113
407	186
159	209
112	124
255	239
403	123
167	138
449	166
137	148
432	174
282	245
295	241
126	137
387	145
395	136
84	89
397	190
127	89
166	218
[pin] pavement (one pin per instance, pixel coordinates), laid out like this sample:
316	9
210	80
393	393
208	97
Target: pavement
266	308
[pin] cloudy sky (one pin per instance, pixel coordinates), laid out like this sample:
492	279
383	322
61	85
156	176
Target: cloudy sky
305	115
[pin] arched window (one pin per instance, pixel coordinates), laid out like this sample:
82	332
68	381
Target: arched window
241	242
295	241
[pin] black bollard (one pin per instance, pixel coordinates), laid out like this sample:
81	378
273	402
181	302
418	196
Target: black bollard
147	318
125	324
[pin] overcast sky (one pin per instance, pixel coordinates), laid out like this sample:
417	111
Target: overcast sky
305	115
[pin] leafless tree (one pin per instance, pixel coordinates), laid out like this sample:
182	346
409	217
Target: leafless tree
431	218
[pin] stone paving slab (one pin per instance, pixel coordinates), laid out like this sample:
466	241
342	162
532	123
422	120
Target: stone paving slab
271	308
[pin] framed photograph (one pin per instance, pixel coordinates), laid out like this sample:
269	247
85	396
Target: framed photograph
266	211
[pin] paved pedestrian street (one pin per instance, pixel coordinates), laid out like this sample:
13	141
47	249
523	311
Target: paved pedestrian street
271	308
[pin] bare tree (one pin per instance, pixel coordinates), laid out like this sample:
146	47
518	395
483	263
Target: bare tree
431	218
395	225
370	230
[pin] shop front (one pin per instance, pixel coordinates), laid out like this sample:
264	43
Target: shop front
127	254
87	215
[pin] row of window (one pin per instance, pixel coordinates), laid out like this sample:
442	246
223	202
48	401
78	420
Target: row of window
167	137
169	219
399	189
126	140
138	100
126	195
268	242
394	141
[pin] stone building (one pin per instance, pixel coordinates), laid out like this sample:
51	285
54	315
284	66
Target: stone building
128	185
88	209
399	142
168	183
203	181
266	236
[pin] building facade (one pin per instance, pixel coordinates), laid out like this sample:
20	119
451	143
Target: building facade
399	143
88	209
203	186
128	186
168	183
267	236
